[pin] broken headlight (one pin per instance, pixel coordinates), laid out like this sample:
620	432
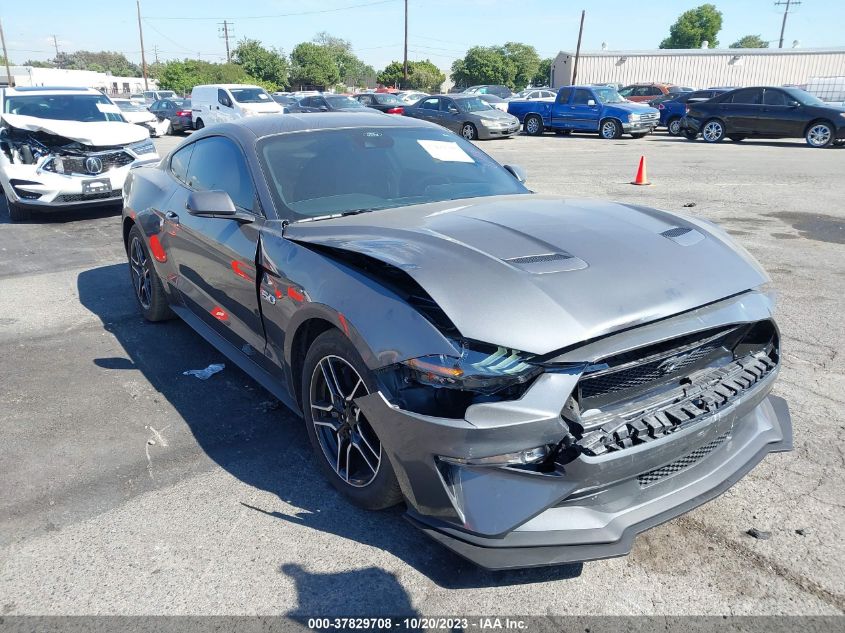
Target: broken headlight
519	458
144	147
480	371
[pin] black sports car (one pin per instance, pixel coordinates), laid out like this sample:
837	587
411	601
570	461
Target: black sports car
524	372
766	113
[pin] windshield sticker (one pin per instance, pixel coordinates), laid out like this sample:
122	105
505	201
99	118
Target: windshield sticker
445	151
108	108
261	95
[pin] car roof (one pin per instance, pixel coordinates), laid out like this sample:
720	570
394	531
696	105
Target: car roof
250	128
50	89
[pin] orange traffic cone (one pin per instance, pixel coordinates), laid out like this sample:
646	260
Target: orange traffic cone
642	174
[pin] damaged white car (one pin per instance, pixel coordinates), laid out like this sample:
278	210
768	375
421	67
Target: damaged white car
65	148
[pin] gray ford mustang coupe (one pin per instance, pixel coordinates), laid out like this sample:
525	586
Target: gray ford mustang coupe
538	379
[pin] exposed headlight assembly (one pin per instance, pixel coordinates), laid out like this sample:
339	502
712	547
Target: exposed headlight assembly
474	370
519	458
144	147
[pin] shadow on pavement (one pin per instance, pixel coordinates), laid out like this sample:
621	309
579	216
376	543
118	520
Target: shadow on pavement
59	217
256	439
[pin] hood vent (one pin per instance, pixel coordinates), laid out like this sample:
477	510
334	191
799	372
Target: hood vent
683	235
548	262
537	259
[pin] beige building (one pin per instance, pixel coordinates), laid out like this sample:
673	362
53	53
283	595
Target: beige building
701	68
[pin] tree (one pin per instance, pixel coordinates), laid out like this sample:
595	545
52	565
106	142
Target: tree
750	41
694	27
353	71
422	75
484	65
37	63
543	75
525	59
98	61
268	65
312	65
182	76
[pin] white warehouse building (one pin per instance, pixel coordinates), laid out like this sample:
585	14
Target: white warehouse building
110	84
701	68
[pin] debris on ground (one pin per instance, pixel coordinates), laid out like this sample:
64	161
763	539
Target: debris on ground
759	534
205	374
689	204
801	532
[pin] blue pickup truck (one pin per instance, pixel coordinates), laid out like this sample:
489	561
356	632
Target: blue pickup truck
586	109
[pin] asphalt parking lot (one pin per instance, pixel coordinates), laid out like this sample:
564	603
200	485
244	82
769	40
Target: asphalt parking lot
129	488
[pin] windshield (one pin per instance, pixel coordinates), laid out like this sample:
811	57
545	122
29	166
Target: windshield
375	168
250	95
166	94
64	107
343	102
388	99
473	104
128	106
803	97
608	95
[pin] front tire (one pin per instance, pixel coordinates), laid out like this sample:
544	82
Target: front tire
713	131
533	125
346	447
610	129
819	134
199	124
18	213
149	292
469	132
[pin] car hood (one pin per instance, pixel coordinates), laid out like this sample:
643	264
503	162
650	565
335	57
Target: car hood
495	114
632	106
541	273
96	133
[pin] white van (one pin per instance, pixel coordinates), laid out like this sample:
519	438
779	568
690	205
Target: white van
217	103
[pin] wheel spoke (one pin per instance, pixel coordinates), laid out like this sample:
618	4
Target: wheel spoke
364	457
334	426
355	390
331	378
376	454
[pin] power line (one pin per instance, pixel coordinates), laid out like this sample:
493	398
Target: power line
279	15
786	6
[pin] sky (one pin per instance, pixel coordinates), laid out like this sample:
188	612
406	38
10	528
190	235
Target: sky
440	30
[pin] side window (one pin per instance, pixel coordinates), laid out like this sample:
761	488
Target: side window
774	98
179	163
218	164
223	98
582	97
447	105
563	95
626	92
319	102
750	96
366	100
654	90
431	104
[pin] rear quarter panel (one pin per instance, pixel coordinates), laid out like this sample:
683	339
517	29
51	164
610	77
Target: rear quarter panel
521	109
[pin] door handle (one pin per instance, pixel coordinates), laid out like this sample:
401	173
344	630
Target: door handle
172	216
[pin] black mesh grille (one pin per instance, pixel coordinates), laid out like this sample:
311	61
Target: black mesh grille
76	164
537	259
676	232
79	197
649	371
658	474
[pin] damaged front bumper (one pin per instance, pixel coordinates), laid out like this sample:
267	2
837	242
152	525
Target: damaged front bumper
591	502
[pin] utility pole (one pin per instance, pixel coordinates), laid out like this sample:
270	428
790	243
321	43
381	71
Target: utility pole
9	81
143	57
578	49
226	30
786	5
56	44
405	63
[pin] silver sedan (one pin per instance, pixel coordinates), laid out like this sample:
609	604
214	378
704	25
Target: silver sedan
468	115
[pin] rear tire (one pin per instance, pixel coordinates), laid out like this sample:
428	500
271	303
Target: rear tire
533	125
18	213
199	124
713	131
673	126
333	375
149	292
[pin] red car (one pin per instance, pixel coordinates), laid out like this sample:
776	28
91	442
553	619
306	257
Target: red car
645	92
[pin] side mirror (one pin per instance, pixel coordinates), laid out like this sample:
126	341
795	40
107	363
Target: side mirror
591	102
517	172
453	110
324	108
794	104
215	204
